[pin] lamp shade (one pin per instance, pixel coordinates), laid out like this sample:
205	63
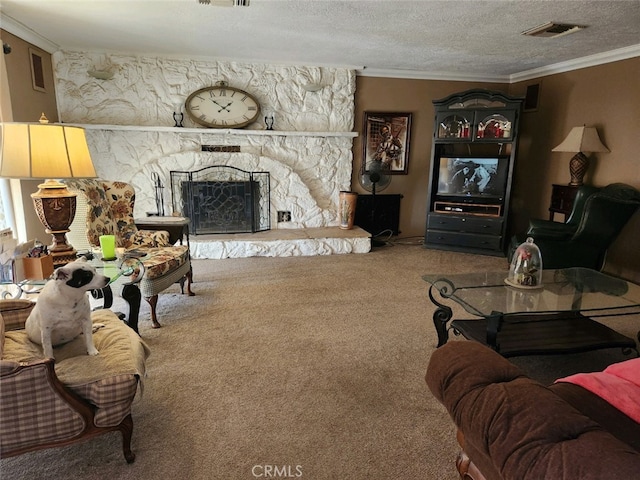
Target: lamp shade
44	151
582	139
35	150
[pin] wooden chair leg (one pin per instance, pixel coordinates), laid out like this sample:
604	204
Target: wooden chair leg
126	428
153	301
189	277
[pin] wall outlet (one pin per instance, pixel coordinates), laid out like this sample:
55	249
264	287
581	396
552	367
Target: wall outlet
284	216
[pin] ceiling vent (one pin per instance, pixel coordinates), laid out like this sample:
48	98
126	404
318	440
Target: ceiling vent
553	30
225	3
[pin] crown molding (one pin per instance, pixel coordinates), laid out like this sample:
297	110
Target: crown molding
578	63
422	75
25	33
561	67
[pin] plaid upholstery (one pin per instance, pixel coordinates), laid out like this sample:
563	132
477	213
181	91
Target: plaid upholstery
44	418
112	396
33	412
15	312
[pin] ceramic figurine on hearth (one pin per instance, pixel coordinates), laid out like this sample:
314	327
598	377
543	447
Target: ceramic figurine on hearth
526	266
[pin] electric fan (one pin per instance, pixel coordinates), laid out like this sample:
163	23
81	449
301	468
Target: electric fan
374	180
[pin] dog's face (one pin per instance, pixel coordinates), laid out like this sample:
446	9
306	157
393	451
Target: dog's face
79	274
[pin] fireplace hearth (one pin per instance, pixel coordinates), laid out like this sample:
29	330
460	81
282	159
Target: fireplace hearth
222	199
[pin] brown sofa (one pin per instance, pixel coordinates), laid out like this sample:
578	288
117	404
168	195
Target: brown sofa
511	427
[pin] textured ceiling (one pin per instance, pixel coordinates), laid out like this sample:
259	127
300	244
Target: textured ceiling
417	38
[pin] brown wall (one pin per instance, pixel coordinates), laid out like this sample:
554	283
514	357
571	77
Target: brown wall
27	105
606	96
414	96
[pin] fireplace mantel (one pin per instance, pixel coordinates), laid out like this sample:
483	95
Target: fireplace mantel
214	131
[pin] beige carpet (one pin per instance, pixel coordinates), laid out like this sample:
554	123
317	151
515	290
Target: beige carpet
314	365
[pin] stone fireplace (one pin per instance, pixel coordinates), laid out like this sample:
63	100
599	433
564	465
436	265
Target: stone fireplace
129	124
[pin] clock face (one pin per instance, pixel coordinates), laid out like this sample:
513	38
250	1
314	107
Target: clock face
222	107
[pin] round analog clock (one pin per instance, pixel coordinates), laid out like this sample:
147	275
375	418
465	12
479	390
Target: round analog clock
222	107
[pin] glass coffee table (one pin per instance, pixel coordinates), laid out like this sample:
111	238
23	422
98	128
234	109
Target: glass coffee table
556	317
125	274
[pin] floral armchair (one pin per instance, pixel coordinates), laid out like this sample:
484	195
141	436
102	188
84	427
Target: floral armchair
107	209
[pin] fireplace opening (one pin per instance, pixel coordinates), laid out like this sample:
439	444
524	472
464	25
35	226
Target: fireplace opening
222	199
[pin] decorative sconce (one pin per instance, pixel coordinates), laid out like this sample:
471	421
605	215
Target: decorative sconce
268	121
313	87
104	70
580	139
178	116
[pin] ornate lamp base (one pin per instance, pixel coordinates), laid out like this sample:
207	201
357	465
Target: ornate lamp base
577	168
56	208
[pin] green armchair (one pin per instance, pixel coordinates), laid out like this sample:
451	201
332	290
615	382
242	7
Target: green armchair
595	222
549	228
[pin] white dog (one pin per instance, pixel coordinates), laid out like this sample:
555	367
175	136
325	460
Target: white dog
62	310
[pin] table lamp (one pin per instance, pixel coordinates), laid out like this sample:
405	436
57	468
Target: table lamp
580	139
46	151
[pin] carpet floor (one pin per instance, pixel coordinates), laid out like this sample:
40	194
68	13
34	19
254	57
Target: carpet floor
295	367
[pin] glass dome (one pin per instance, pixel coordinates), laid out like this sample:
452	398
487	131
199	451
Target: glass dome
526	266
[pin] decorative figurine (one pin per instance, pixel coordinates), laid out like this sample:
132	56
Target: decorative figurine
268	120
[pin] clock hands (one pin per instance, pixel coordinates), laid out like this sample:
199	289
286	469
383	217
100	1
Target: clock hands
223	107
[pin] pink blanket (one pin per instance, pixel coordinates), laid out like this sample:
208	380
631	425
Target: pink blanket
618	384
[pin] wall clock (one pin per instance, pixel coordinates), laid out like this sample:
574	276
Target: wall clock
222	106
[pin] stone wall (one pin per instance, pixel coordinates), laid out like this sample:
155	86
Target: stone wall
129	120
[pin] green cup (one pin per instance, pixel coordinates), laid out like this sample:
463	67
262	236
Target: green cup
108	247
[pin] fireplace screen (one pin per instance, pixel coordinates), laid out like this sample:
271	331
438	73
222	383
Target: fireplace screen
222	199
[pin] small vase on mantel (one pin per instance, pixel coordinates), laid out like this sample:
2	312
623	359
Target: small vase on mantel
347	209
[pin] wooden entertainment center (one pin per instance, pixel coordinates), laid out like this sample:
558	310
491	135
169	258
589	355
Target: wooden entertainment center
472	161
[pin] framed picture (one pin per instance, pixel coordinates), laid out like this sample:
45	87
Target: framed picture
531	98
386	142
37	70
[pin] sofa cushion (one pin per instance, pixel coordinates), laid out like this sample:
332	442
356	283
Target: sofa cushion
517	427
161	260
591	405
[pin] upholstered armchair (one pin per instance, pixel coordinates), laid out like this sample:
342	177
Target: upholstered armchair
584	243
106	208
47	402
549	228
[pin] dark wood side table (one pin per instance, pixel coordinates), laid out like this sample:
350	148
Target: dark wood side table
178	227
562	197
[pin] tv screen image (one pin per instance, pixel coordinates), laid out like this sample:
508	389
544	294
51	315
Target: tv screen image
473	177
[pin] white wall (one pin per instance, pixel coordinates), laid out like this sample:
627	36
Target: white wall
145	91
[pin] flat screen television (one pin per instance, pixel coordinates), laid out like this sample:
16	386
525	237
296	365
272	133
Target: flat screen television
473	177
